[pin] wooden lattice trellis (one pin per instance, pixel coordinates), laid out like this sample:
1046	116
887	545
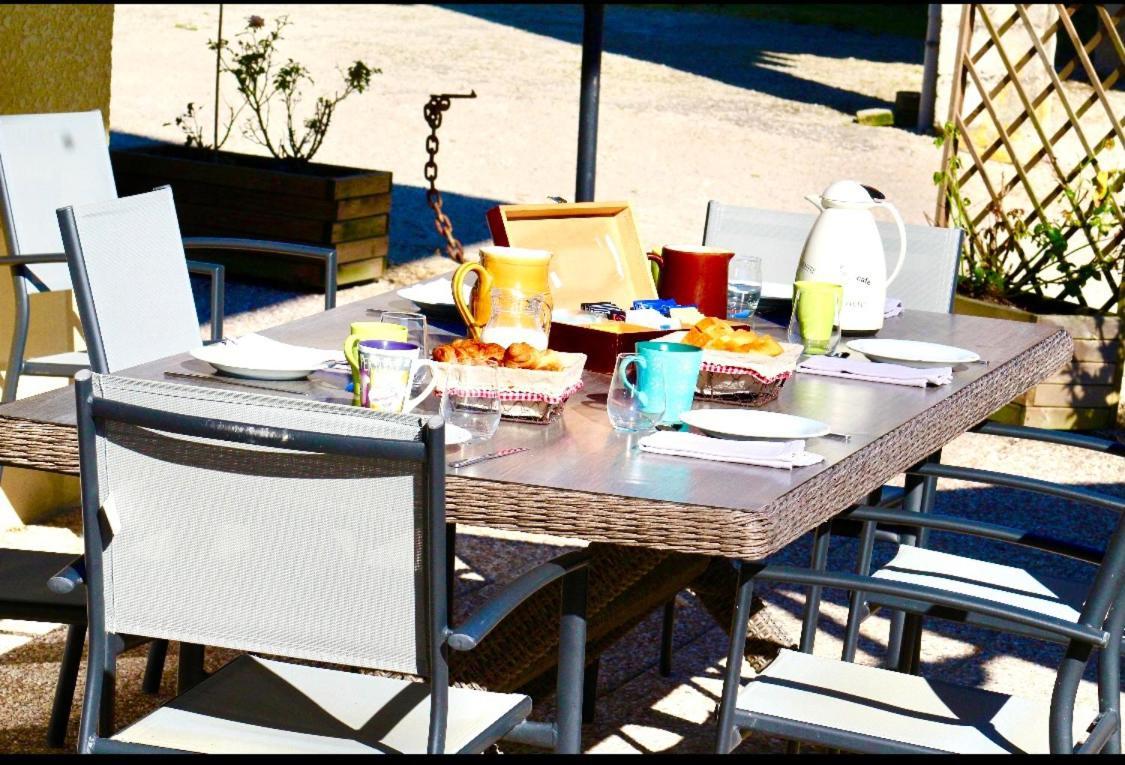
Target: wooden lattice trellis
1052	138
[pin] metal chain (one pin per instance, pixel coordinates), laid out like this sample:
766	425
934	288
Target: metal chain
433	111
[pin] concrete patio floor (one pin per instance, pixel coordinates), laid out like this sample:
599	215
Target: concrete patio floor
638	710
777	128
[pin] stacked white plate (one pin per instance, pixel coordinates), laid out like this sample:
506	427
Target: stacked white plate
259	358
912	353
747	424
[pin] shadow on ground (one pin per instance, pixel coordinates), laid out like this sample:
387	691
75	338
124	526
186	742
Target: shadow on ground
637	707
729	49
634	696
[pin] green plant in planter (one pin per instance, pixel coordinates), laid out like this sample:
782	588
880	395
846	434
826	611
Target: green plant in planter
1009	262
252	60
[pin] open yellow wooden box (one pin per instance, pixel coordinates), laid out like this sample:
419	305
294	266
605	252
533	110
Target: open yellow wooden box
597	256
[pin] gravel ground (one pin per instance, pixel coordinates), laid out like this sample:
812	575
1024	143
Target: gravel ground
694	107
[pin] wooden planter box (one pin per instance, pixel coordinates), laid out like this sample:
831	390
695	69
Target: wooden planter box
252	197
1083	395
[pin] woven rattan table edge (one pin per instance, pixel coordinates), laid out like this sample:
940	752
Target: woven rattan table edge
747	534
758	533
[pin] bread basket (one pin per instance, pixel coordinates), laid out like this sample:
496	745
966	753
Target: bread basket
742	379
530	395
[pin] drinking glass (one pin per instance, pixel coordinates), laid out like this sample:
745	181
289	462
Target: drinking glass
471	399
631	405
744	286
815	322
415	324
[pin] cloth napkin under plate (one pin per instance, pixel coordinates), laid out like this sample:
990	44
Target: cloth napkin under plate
779	454
892	307
896	374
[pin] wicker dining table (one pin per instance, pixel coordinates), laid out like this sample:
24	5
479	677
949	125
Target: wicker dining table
581	479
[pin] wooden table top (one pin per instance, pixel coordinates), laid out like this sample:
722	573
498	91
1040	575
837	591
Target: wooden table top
580	478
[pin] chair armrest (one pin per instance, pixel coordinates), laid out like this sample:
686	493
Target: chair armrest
1008	480
907	518
474	629
218	293
31	260
1065	438
65	581
327	255
907	591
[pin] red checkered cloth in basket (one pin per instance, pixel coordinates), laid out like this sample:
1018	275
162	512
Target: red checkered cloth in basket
524	395
708	366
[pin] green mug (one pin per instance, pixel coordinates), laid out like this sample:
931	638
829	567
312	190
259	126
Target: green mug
367	330
815	322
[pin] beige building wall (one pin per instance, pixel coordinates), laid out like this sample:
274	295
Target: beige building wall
53	58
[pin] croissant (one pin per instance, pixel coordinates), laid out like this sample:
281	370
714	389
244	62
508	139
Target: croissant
492	351
516	356
446	353
520	356
549	361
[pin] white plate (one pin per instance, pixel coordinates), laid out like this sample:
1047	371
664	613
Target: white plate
435	298
912	353
258	358
436	292
745	424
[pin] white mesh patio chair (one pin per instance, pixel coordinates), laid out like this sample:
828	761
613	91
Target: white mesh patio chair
933	288
925	283
810	699
48	161
302	530
932	254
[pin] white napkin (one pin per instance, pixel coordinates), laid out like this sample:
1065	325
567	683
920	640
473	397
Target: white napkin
896	374
780	454
891	307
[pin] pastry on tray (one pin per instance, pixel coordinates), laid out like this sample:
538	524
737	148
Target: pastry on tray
718	335
515	356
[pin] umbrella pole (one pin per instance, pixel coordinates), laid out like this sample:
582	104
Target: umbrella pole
593	16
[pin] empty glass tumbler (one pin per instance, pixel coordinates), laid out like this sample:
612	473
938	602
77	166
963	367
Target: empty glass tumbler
744	286
634	403
815	322
416	329
470	399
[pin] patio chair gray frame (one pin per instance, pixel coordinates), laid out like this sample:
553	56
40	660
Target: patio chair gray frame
21	265
911	525
24	595
434	635
1099	627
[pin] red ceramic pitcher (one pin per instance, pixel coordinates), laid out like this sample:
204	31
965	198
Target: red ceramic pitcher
694	275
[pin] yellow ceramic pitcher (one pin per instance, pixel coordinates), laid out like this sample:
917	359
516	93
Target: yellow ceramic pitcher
513	268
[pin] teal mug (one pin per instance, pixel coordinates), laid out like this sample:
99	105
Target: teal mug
673	370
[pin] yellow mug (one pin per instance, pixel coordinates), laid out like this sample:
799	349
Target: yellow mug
367	330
